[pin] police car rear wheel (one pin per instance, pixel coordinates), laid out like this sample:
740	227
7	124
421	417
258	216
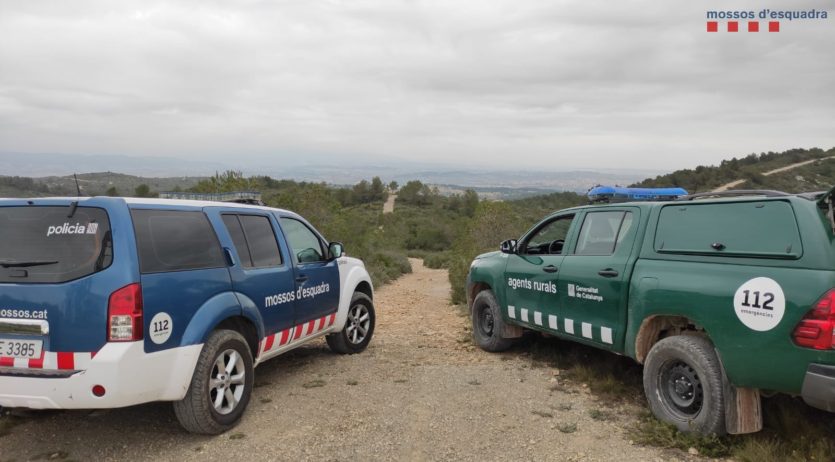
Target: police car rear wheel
359	327
220	387
683	384
488	324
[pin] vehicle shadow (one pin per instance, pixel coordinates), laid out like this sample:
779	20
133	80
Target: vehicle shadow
151	420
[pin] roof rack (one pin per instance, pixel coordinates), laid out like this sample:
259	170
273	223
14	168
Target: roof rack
240	197
735	193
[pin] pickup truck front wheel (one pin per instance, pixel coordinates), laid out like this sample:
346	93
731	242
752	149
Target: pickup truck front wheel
683	384
488	324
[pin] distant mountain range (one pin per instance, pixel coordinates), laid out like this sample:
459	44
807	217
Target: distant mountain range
534	181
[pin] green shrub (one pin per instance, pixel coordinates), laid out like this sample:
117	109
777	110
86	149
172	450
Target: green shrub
385	266
437	260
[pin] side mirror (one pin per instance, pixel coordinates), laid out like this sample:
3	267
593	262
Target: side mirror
336	249
508	246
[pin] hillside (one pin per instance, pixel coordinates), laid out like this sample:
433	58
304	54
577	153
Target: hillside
749	168
816	176
91	184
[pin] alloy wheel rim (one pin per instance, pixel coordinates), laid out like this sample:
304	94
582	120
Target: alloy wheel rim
227	381
359	323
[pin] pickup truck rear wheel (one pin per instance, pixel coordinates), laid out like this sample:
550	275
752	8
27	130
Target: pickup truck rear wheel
220	387
683	384
359	327
488	324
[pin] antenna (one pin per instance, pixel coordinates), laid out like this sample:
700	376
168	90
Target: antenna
77	187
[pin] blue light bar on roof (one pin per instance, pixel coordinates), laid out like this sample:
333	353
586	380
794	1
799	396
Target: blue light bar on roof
619	194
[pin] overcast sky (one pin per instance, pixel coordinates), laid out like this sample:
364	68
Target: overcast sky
527	83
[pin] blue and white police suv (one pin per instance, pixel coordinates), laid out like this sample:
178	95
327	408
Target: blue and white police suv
111	302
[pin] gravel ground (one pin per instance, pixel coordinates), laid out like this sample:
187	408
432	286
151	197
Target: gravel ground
420	392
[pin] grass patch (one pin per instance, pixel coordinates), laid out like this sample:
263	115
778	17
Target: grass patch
237	436
560	387
600	415
314	384
607	375
567	427
652	432
564	407
792	432
544	414
399	380
352	382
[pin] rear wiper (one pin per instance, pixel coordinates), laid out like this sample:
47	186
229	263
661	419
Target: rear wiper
23	264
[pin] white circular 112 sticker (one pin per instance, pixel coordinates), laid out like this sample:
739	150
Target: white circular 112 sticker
760	303
161	327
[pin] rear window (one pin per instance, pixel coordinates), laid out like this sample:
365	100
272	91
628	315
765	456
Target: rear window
170	240
749	229
45	244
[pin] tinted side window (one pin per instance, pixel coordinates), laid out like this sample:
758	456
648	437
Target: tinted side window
760	229
304	243
600	232
550	238
261	239
169	240
238	239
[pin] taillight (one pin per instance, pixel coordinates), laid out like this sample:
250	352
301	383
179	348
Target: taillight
816	329
124	314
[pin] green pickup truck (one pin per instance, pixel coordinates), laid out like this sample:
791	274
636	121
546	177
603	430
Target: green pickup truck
719	296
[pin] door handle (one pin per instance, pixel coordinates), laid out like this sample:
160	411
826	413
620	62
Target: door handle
550	269
228	254
608	273
301	279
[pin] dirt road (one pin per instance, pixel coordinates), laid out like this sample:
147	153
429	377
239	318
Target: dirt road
420	392
734	184
388	206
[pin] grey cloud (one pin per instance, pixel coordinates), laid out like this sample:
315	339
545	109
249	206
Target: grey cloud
568	83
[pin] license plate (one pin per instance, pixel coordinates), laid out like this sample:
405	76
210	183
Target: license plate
15	348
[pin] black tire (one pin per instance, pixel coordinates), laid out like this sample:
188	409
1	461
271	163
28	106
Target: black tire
488	323
359	327
198	412
683	384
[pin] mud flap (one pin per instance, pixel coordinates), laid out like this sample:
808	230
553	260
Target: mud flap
743	409
512	331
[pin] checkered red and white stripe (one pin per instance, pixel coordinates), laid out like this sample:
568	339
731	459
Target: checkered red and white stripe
292	334
51	360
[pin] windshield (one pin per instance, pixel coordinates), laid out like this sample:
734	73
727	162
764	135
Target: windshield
44	244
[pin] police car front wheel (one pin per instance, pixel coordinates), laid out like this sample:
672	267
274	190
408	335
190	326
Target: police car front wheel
220	387
359	327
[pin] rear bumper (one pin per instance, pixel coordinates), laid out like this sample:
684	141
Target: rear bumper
128	374
819	387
